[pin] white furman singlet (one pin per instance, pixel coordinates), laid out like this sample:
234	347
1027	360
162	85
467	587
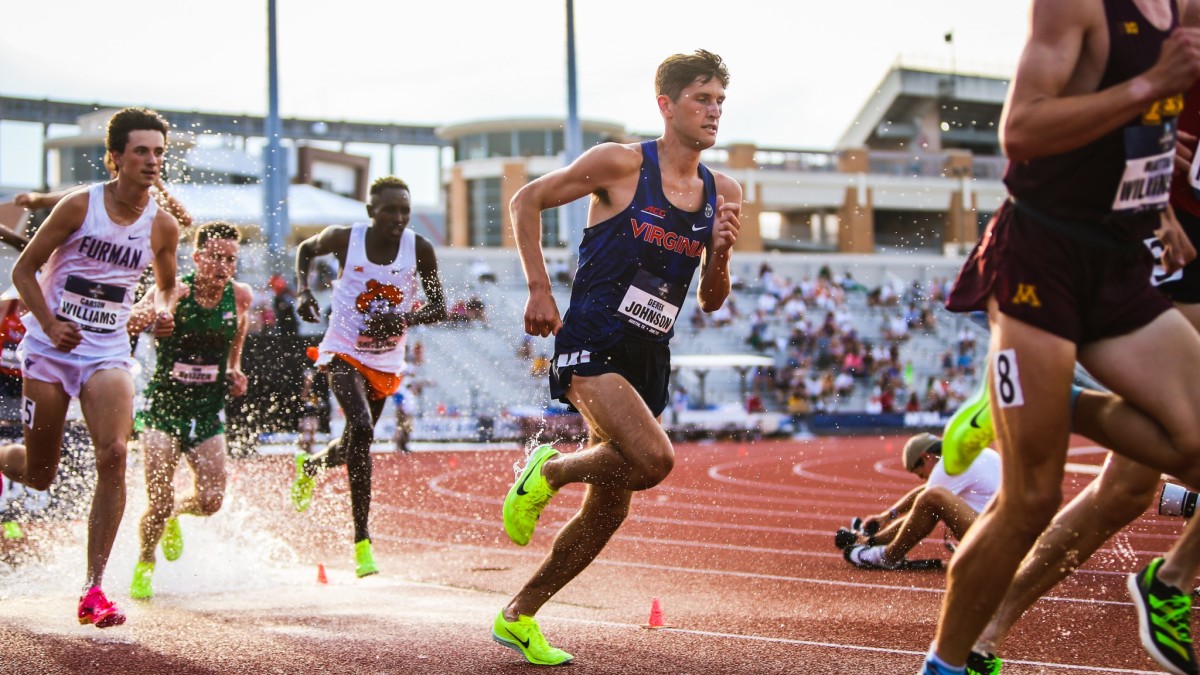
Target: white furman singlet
364	290
90	278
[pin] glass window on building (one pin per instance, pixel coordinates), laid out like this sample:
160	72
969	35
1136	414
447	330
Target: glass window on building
81	164
550	222
471	146
591	138
533	143
500	144
486	219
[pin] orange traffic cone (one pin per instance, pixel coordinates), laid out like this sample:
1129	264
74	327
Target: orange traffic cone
321	578
656	616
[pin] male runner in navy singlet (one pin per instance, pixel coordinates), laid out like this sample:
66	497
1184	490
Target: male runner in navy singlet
656	214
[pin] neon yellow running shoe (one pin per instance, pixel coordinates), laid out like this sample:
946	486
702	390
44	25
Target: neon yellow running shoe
140	589
302	487
12	530
364	559
525	636
172	540
968	432
528	496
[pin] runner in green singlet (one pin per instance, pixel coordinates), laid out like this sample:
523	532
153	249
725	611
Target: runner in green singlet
185	399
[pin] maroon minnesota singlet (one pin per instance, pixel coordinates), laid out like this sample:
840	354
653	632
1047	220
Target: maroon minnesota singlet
1122	179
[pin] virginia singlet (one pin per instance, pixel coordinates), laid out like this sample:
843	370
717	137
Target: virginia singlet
90	277
635	268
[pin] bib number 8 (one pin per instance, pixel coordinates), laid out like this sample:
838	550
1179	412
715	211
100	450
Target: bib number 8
1007	379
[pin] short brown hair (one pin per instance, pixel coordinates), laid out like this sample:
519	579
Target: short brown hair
217	229
680	70
132	119
387	183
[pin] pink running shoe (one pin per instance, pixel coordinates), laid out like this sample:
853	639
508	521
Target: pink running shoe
96	609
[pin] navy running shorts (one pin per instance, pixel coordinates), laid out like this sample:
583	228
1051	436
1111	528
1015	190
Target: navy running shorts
645	365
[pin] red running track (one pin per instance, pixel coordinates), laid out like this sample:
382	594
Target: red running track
737	544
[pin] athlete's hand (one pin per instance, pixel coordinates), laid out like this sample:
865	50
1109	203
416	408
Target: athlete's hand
25	199
1185	153
238	382
725	228
541	314
164	324
1178	63
308	309
1178	250
385	325
64	335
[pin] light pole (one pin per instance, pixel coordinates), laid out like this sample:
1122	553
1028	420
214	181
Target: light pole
576	212
275	173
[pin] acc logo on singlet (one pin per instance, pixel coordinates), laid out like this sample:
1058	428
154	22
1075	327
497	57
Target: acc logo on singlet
1026	295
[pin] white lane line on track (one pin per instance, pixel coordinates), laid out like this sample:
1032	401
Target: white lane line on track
834	645
435	543
694	544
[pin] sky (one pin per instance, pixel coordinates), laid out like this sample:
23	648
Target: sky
800	71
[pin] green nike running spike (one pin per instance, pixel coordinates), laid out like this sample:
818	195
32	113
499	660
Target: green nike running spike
525	636
302	487
12	530
143	574
1164	620
979	663
528	496
172	540
364	559
968	432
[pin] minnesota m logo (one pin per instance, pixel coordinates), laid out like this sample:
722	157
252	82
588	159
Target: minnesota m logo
1026	295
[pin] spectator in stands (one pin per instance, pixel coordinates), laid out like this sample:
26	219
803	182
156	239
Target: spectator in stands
525	348
281	305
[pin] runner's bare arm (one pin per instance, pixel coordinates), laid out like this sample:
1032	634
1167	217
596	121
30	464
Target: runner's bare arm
43	200
173	206
164	241
63	221
714	278
1053	106
333	240
598	171
13	238
1178	249
434	309
243	296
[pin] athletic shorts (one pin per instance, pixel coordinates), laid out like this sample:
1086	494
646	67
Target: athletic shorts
382	384
1069	280
188	428
645	365
42	362
1186	288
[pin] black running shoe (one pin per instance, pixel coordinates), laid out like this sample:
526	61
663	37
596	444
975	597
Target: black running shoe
844	538
1164	619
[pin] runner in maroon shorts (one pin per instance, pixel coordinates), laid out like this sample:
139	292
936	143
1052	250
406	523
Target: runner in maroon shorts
1090	131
